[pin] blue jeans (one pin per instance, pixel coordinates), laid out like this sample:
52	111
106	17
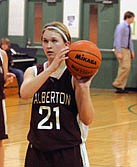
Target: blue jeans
19	75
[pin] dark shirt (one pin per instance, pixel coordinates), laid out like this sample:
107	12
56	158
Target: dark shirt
10	57
54	114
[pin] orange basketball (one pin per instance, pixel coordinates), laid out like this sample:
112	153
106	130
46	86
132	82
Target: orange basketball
84	58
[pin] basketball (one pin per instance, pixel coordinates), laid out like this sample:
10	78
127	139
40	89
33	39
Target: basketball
84	58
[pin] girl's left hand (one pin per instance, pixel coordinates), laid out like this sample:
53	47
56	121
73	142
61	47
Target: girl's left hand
85	79
82	79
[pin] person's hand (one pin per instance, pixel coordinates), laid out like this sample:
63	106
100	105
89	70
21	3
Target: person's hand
85	79
119	56
59	58
82	79
9	78
132	55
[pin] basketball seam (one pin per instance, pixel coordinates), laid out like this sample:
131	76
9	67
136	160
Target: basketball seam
73	71
85	52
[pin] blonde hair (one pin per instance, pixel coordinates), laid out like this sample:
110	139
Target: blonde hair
59	28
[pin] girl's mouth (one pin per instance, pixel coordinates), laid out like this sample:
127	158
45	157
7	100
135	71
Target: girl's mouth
50	52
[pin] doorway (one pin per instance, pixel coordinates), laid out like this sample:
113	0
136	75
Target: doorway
93	23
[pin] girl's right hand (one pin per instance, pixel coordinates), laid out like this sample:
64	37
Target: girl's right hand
59	58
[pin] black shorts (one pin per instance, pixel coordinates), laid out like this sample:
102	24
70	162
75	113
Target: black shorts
3	124
70	157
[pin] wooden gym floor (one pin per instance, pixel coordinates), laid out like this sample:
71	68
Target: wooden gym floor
112	139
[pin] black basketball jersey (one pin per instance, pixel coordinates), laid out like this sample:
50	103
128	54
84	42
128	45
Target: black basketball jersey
1	79
54	114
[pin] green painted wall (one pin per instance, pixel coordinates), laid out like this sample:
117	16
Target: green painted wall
108	18
3	19
132	81
51	12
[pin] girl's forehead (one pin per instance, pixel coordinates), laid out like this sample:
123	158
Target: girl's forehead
4	44
51	34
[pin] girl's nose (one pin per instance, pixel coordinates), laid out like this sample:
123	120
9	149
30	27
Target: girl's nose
49	44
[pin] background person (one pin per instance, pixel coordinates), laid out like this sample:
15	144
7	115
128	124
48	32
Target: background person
124	51
62	107
5	45
4	76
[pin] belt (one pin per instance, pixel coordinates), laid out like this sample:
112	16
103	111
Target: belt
125	47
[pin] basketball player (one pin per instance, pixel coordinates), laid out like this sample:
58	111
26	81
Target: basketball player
61	109
9	77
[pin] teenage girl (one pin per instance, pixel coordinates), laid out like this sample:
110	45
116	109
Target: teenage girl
61	109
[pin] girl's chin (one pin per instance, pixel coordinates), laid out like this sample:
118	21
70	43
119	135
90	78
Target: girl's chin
50	54
50	57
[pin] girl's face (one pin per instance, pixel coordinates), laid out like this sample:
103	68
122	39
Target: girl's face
52	43
5	46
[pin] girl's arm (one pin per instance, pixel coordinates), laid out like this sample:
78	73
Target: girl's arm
5	62
7	75
32	83
84	101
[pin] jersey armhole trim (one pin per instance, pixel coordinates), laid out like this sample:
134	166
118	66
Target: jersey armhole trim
35	70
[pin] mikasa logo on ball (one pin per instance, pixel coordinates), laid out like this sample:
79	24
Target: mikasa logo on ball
81	57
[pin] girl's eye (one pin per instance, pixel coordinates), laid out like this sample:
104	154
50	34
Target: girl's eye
45	41
54	40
